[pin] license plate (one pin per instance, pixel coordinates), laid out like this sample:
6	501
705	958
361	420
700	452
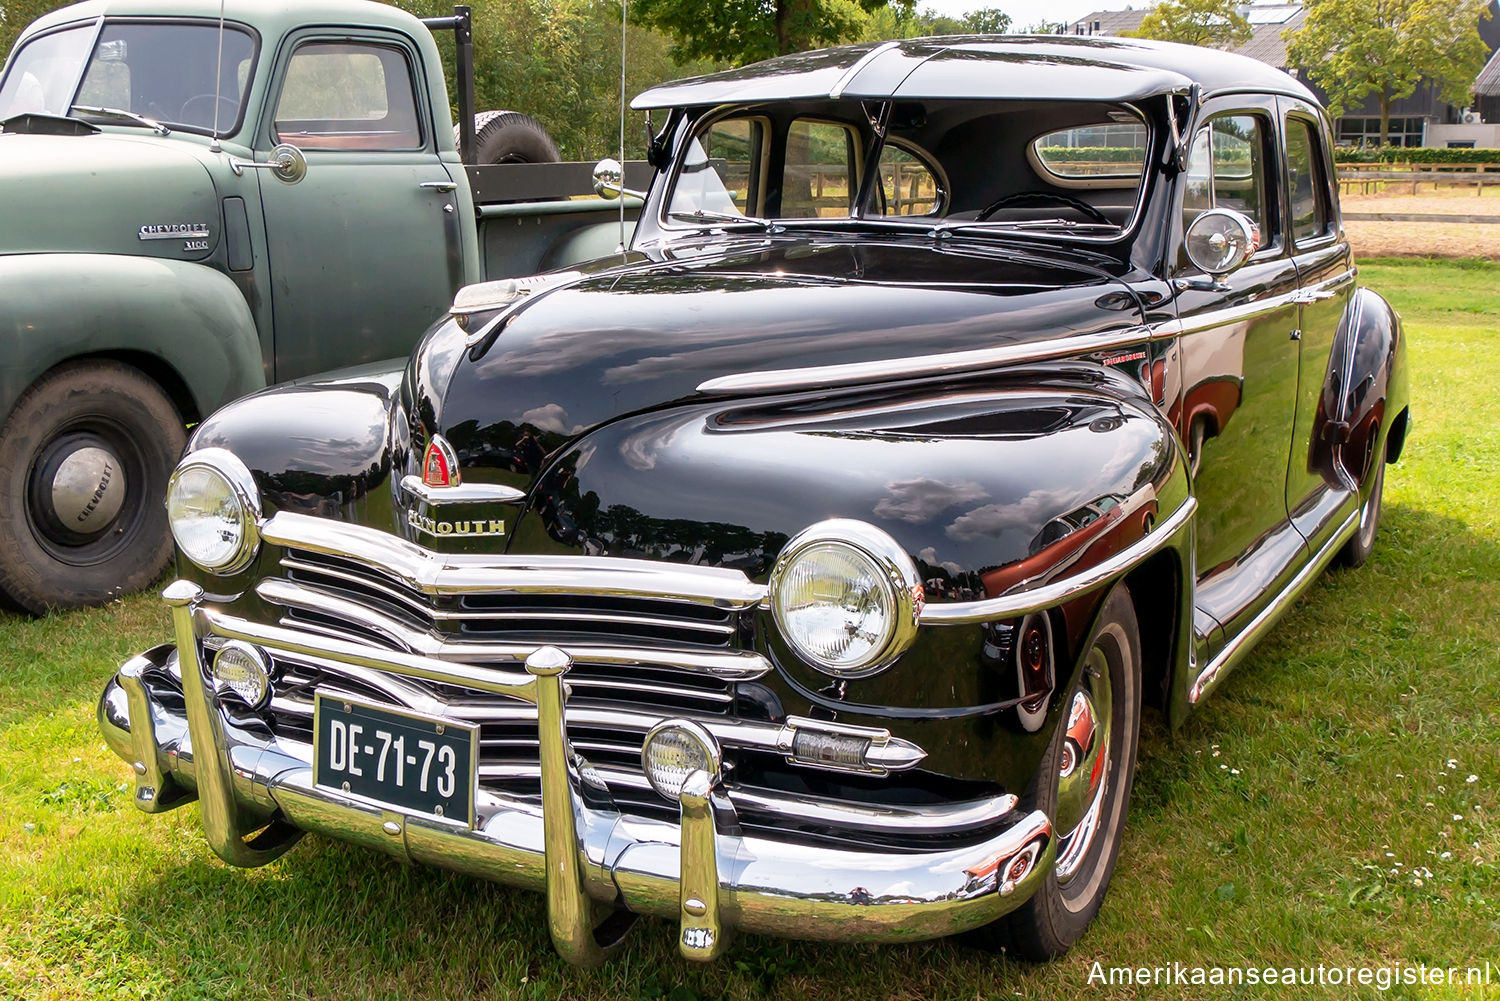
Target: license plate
412	763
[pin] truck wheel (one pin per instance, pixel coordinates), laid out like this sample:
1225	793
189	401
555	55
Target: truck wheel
84	461
1084	786
511	137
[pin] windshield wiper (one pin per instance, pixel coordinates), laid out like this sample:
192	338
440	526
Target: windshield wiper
944	228
142	120
700	216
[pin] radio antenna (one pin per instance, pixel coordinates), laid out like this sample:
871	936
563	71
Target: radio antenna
214	146
624	9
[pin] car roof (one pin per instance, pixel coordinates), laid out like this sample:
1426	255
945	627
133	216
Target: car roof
997	67
271	17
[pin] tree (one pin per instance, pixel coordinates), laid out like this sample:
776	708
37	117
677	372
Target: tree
1215	23
989	21
1356	48
742	31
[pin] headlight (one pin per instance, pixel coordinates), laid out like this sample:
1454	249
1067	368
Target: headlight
213	508
846	597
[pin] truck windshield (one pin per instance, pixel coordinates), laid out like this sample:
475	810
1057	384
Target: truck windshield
162	70
1070	168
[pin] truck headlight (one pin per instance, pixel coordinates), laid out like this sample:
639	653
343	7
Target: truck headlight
846	597
213	507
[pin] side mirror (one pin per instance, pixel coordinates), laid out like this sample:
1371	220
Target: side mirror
609	180
287	163
1219	241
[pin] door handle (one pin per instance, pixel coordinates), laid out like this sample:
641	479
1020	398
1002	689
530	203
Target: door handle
442	187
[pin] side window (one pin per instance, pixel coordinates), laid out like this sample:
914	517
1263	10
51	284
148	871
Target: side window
348	95
1227	170
907	183
1310	215
821	175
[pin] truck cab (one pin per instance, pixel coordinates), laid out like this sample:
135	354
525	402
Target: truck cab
201	201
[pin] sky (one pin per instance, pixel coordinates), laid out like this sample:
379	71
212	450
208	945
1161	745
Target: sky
1026	12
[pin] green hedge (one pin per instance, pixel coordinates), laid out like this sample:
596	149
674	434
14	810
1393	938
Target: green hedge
1415	154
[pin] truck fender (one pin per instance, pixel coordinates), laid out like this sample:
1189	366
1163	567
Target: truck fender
184	318
1363	406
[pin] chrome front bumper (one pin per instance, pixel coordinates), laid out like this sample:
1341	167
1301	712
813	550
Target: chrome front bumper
594	863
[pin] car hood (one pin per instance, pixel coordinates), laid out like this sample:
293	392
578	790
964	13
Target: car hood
94	193
649	334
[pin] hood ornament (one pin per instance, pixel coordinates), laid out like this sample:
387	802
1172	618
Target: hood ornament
440	464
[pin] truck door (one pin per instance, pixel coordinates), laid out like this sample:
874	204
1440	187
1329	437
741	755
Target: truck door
365	250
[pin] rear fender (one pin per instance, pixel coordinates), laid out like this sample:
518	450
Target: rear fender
187	319
1365	393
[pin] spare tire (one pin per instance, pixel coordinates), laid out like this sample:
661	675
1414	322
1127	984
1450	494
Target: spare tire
511	137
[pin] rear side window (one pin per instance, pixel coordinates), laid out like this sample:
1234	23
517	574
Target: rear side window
1310	216
908	184
1227	170
821	175
349	96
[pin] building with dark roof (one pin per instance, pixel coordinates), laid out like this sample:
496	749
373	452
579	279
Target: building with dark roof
1421	119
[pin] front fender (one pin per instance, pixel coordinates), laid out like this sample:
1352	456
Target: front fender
1365	391
186	317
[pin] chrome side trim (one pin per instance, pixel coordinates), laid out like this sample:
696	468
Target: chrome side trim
1007	606
837	91
464	493
919	366
729	665
456	573
1235	650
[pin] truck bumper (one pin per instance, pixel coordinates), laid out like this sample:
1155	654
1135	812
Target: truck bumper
596	865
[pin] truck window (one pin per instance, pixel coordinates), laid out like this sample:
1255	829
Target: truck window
1105	155
44	72
348	96
721	170
821	175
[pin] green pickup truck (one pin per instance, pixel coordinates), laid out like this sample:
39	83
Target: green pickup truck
198	200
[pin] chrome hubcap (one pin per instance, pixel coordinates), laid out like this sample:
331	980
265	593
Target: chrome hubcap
1083	768
88	490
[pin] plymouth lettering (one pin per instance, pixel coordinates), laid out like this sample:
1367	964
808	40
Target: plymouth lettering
473	527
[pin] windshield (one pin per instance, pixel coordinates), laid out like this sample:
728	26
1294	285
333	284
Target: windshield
1069	167
162	70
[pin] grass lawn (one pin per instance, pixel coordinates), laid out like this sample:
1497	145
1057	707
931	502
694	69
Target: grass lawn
1336	801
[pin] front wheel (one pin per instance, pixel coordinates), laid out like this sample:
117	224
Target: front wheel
84	461
1084	786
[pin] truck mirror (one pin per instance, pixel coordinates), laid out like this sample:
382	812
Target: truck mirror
1220	240
287	163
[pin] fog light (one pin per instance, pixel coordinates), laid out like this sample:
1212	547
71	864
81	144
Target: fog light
243	671
674	749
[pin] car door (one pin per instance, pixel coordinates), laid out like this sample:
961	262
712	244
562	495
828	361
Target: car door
1239	373
1316	498
364	251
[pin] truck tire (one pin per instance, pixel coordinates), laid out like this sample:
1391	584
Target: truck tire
84	461
511	137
